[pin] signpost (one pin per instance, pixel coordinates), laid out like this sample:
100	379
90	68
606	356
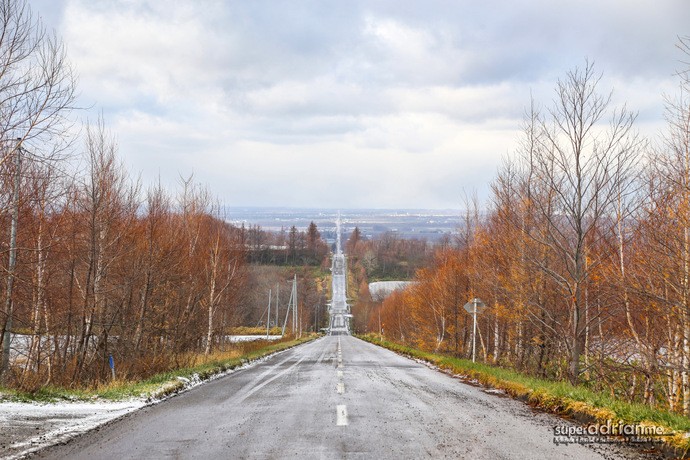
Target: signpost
268	318
111	361
474	307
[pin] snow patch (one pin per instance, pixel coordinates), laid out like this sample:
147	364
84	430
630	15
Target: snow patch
28	427
251	338
53	423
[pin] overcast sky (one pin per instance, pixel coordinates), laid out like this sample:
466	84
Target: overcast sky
349	104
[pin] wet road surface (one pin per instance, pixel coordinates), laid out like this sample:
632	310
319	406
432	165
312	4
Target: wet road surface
336	397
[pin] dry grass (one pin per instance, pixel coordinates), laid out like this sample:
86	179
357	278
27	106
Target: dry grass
560	398
160	384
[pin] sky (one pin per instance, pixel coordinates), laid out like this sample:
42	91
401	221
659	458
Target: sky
350	103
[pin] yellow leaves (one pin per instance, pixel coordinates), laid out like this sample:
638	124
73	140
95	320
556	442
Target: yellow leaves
537	341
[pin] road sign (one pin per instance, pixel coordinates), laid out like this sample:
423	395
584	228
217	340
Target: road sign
474	307
469	306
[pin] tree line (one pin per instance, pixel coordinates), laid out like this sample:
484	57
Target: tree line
101	271
385	257
94	266
583	255
291	247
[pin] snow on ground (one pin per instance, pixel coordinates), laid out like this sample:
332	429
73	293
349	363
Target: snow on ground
249	338
27	427
21	343
382	289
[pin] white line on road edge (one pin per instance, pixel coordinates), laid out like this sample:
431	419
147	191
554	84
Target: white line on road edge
341	388
341	410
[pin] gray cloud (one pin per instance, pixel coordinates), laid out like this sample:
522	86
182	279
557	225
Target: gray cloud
399	102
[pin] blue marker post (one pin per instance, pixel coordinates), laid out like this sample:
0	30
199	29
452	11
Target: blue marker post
111	361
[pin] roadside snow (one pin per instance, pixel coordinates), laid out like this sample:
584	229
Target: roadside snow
250	338
27	427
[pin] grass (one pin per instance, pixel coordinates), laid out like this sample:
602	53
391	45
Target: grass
561	398
247	330
157	386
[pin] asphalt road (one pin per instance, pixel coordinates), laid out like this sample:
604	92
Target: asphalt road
336	397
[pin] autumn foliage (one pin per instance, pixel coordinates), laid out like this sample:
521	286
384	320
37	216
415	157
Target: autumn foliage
583	256
104	269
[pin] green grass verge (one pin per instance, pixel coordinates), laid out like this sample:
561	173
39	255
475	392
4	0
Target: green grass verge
560	398
157	386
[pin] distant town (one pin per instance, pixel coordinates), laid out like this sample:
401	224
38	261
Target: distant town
431	225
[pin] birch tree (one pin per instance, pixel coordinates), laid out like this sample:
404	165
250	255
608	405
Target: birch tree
37	93
668	233
581	163
108	203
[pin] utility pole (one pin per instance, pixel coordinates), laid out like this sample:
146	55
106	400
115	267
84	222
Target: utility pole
12	263
295	310
277	301
291	308
268	317
474	330
287	313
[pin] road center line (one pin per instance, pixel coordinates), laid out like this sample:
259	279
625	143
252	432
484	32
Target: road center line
341	418
341	388
340	355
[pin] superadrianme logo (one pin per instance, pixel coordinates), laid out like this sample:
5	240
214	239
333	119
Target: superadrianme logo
609	432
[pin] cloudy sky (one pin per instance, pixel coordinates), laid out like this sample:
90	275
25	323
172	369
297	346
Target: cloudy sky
349	103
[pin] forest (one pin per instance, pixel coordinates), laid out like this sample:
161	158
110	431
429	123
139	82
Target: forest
582	255
97	267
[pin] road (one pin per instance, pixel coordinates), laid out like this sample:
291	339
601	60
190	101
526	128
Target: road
336	397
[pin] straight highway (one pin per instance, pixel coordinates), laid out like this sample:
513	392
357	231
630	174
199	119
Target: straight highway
336	397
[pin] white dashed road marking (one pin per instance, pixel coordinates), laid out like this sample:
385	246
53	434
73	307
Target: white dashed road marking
341	419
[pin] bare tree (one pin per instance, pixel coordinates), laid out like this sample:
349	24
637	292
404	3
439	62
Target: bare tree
37	84
577	170
669	234
108	205
221	269
37	93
